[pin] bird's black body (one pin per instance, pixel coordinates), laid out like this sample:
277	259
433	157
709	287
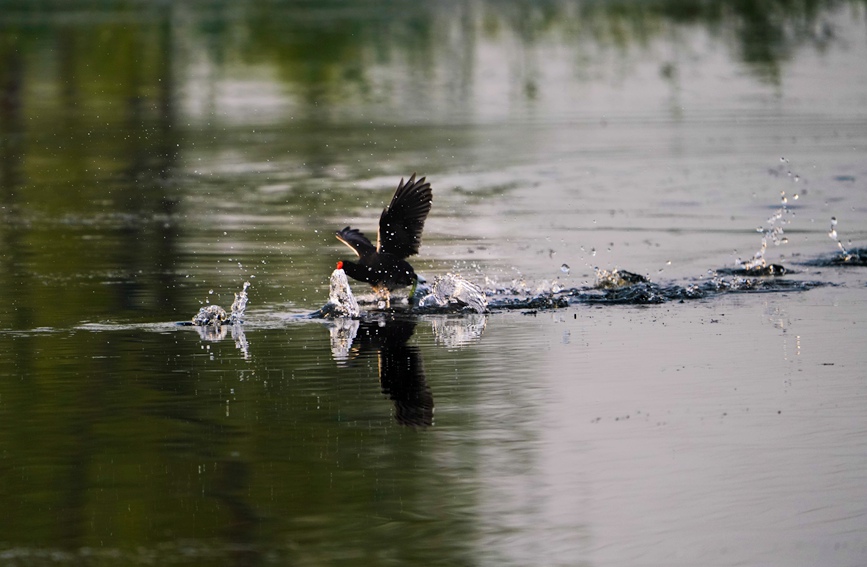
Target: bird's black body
384	266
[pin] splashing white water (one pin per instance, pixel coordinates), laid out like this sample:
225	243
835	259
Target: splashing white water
214	316
452	289
240	304
773	233
836	238
341	302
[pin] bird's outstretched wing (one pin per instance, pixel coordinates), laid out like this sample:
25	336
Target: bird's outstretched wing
402	221
356	240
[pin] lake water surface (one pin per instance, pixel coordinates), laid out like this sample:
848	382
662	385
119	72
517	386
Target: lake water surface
154	156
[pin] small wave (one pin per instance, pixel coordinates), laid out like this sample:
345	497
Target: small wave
760	271
649	293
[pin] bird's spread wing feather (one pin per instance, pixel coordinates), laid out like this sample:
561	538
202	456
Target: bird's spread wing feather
401	222
356	240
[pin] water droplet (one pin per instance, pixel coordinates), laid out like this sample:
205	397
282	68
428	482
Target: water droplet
593	251
796	196
833	221
797	178
210	292
565	269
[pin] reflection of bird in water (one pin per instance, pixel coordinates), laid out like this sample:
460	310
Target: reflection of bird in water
401	375
400	226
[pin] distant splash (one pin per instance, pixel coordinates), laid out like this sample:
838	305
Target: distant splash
845	256
773	233
213	323
852	257
215	316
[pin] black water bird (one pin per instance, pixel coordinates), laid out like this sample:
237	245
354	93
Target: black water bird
384	266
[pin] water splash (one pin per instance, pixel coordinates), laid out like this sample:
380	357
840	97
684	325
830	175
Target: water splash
519	295
773	233
213	315
210	316
240	304
847	256
341	302
832	234
617	278
452	290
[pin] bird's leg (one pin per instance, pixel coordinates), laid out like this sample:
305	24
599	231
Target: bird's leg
382	295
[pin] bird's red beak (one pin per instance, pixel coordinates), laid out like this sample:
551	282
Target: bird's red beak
340	264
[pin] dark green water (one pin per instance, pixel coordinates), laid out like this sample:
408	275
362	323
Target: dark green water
156	155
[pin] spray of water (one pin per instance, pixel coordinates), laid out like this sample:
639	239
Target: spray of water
240	304
454	290
214	316
772	233
341	301
846	255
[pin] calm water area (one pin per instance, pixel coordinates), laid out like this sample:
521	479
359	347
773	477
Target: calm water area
156	155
